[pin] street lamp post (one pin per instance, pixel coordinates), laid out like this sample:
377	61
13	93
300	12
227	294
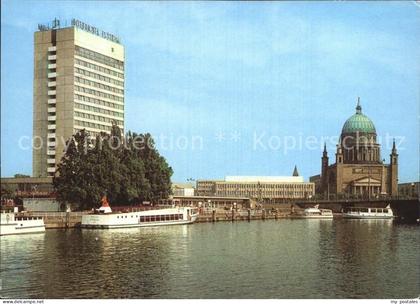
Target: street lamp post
34	188
369	171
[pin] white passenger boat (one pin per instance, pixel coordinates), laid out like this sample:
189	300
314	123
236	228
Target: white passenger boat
11	223
104	218
368	213
314	213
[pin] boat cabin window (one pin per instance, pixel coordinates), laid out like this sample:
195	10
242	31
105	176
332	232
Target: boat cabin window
172	217
181	216
385	210
379	210
167	217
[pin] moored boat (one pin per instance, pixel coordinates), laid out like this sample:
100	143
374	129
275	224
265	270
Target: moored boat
105	218
368	213
11	223
314	213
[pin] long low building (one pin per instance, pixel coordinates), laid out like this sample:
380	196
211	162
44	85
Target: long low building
27	186
257	187
209	201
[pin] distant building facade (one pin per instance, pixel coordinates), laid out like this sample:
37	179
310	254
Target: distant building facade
182	189
358	170
78	84
257	187
27	186
409	189
209	202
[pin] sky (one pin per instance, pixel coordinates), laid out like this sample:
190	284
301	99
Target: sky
237	88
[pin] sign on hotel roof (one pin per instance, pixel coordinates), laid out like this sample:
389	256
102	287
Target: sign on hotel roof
81	25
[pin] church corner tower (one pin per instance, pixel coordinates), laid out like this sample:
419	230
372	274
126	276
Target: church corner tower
324	170
393	168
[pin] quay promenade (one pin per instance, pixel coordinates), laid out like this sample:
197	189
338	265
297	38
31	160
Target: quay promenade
63	220
406	210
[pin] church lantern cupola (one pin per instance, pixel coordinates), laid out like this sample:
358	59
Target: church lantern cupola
358	139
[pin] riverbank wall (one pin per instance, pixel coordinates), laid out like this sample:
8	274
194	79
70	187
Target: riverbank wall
241	215
63	220
59	220
407	211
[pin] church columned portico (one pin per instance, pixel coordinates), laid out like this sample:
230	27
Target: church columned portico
366	187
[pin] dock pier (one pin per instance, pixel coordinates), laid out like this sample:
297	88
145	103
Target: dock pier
406	210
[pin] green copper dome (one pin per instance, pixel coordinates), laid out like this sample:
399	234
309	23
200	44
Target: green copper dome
358	123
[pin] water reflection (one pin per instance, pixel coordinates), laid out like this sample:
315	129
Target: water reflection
258	259
364	258
16	259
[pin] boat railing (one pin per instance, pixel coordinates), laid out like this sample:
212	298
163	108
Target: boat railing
125	209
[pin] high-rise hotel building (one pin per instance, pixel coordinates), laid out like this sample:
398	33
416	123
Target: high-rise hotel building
78	84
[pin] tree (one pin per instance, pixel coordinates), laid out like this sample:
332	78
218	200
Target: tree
19	175
128	170
74	179
157	170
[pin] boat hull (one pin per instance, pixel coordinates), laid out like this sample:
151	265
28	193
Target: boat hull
113	226
323	217
368	213
149	218
368	216
313	213
13	227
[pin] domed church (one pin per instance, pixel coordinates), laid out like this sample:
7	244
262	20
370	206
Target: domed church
358	170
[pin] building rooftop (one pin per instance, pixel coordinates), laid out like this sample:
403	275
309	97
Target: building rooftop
265	179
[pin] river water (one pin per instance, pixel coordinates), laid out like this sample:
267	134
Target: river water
258	259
